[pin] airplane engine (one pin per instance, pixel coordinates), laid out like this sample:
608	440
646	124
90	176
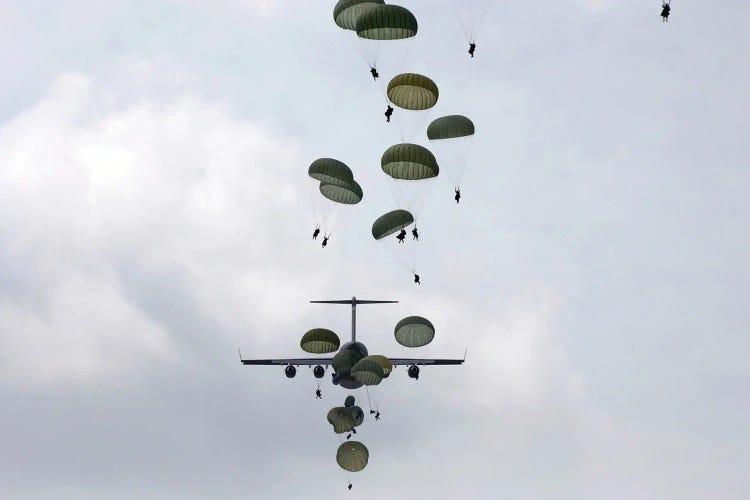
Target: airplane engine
290	371
414	372
319	371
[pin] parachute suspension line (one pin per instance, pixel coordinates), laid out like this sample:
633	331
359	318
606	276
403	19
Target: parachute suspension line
414	259
479	24
369	404
461	21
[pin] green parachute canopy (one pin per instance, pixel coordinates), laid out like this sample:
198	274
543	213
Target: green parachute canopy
386	22
347	194
330	171
349	401
414	331
343	361
412	91
357	415
410	162
352	456
384	363
367	372
390	223
450	127
346	12
319	341
341	419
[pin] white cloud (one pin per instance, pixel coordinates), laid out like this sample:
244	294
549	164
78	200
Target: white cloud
92	187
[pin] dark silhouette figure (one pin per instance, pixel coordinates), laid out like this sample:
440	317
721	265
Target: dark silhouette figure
350	486
318	394
388	113
401	235
416	279
377	415
472	48
374	73
325	241
316	233
665	9
348	436
354	431
372	411
458	195
414	234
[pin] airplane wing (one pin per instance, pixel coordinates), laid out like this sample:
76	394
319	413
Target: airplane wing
289	361
416	361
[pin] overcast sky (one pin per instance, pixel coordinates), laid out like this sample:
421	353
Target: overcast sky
155	215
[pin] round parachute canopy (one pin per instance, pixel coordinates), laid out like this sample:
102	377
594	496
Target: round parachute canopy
341	419
414	331
384	363
346	12
349	401
412	91
330	171
367	372
357	415
344	361
450	127
319	341
386	22
346	194
352	456
410	162
390	223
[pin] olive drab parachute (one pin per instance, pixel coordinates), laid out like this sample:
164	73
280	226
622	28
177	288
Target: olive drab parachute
409	162
384	363
320	341
411	169
450	127
330	171
386	22
352	456
390	223
349	401
452	137
343	361
335	194
414	331
413	92
341	419
367	372
416	95
346	12
346	194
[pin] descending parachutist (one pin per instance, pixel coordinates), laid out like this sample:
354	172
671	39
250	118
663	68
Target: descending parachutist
316	233
665	8
415	234
401	235
374	73
472	48
350	486
458	195
416	279
388	113
318	394
325	241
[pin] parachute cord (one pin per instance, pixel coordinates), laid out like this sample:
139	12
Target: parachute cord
460	20
479	24
369	404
